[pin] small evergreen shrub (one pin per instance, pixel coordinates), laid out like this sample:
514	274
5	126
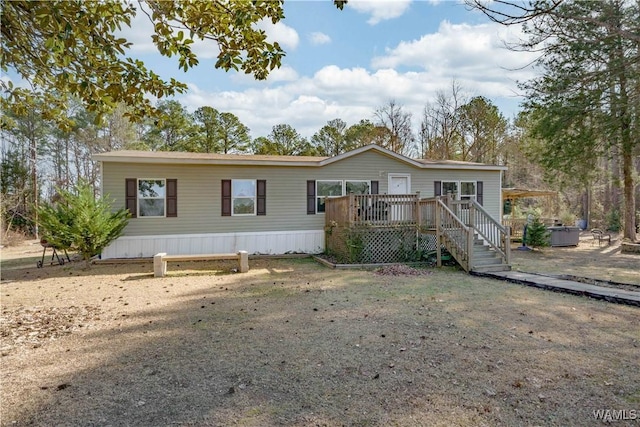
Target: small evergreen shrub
79	221
537	234
613	221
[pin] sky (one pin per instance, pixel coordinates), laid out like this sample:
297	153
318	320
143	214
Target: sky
346	64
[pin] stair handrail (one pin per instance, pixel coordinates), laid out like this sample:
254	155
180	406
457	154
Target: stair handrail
503	243
461	253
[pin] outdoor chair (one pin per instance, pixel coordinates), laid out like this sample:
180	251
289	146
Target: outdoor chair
600	236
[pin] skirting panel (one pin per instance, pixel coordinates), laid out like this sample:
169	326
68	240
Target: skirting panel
268	242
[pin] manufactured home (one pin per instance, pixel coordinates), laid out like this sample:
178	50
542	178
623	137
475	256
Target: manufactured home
190	203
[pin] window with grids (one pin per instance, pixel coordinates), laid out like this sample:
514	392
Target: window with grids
243	196
151	197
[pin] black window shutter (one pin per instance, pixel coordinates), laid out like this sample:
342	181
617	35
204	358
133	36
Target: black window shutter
172	198
131	196
262	197
311	197
375	187
226	197
437	188
479	191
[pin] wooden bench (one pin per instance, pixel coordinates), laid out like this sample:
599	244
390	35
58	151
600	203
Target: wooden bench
600	236
160	260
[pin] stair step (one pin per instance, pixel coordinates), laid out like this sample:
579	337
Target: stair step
491	268
483	254
487	261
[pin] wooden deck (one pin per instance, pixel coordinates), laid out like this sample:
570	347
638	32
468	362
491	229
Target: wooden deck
388	226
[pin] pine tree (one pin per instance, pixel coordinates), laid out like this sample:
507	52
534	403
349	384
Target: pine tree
79	221
537	234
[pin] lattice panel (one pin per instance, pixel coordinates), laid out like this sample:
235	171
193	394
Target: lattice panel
427	242
369	245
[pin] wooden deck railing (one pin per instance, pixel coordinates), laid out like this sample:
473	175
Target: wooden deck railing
455	235
373	209
455	223
494	234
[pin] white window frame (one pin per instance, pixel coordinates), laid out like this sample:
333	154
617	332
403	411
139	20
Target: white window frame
318	196
343	188
458	194
164	198
254	197
473	196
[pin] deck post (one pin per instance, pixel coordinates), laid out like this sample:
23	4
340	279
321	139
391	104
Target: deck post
159	265
416	218
507	246
243	261
470	238
351	214
438	235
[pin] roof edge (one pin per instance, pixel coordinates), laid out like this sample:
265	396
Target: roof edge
300	161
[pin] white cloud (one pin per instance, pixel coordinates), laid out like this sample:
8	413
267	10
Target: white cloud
319	38
411	73
286	36
351	94
142	29
139	34
380	10
282	74
475	52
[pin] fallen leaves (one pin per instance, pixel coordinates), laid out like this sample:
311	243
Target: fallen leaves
401	270
32	326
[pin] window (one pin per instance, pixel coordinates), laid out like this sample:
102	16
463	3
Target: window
151	197
461	190
326	189
243	196
336	188
450	187
467	190
356	187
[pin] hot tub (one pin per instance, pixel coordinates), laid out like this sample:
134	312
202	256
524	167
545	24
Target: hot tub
564	236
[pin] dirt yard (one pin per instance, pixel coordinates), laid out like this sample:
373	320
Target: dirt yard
293	343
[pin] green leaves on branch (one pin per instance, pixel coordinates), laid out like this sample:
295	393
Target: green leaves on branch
73	48
81	222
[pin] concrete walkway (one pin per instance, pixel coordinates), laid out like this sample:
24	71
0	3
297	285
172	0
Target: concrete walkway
620	296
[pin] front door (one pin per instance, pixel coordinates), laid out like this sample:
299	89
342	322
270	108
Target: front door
399	184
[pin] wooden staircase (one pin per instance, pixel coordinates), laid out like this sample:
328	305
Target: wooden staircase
477	241
485	259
